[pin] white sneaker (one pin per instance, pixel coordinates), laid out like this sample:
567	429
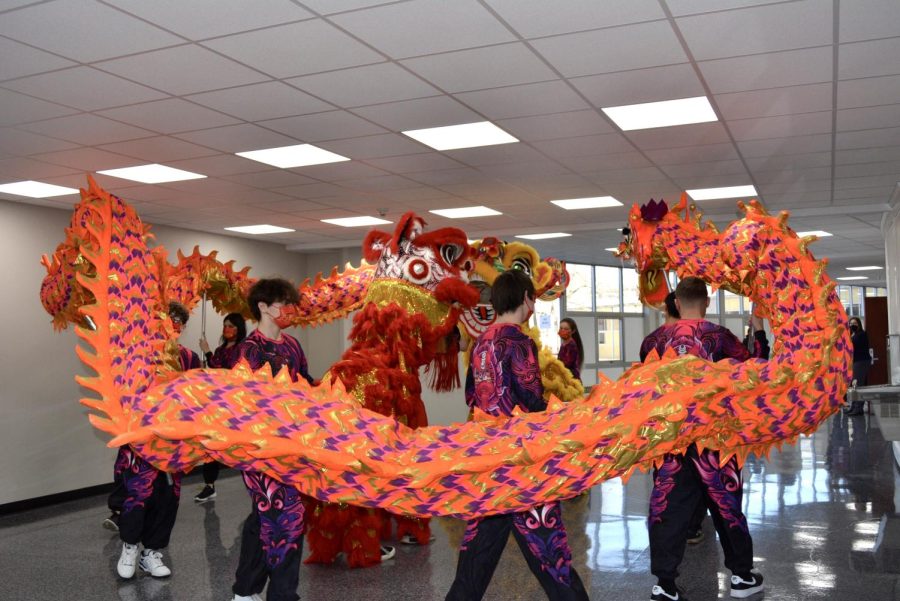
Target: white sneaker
152	563
253	597
387	552
127	561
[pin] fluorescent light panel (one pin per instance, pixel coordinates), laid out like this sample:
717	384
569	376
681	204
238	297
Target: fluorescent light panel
356	221
662	114
33	189
152	174
865	268
543	236
613	249
300	155
726	192
466	135
817	233
259	229
597	202
463	212
853	277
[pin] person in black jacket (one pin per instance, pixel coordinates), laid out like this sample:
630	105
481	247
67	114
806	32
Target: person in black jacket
862	360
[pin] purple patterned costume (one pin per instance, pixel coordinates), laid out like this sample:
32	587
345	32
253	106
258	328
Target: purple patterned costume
504	374
225	356
685	486
568	354
272	536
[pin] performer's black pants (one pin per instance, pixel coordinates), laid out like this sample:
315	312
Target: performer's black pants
211	472
151	503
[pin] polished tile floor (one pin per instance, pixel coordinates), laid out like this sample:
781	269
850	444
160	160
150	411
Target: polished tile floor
822	514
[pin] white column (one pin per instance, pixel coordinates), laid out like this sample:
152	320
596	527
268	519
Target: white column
890	229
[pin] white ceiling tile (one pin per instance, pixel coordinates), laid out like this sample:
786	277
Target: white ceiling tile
626	176
419	114
867	155
641	85
200	19
681	135
873	117
425	27
703	153
847	183
535	18
268	100
526	100
83	30
512	172
328	7
482	68
498	153
869	59
273	178
379	184
84	88
614	49
774	27
794	175
18	169
87	129
372	84
296	49
781	127
778	69
869	138
781	146
445	177
866	169
868	19
182	70
560	125
585	146
378	146
333	172
87	159
882	192
169	116
317	190
160	149
238	138
20	60
323	126
792	161
15	141
605	162
428	161
776	101
690	7
871	91
219	165
714	168
18	108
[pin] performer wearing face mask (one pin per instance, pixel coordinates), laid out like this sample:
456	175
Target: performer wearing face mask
571	351
862	361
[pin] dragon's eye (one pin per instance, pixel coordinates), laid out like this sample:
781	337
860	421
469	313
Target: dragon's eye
451	252
523	265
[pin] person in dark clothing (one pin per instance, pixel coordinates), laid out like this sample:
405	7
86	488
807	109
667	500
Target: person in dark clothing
272	535
571	351
653	338
683	483
862	361
234	330
504	374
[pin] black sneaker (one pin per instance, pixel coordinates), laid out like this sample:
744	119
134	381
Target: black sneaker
658	593
745	585
112	522
207	494
696	537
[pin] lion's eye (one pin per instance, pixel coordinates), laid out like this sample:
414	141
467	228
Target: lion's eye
523	265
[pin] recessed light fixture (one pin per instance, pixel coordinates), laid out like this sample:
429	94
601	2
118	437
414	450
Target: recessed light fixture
152	174
662	114
356	221
865	268
463	212
853	277
299	155
259	229
33	189
467	135
816	233
597	202
726	192
543	236
613	249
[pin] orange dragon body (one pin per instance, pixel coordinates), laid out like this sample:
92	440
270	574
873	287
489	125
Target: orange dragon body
323	441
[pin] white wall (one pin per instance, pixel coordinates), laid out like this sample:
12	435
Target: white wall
890	228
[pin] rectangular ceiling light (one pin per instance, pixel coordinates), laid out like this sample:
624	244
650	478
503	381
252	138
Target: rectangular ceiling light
543	236
613	249
33	189
726	192
853	277
662	114
152	174
816	233
597	202
464	212
865	268
300	155
259	229
467	135
356	221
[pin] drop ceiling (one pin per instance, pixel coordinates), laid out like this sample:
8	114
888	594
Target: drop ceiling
807	93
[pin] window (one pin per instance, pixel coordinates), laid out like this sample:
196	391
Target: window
630	293
732	302
608	289
579	294
609	339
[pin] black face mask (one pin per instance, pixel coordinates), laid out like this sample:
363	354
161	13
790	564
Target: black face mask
854	328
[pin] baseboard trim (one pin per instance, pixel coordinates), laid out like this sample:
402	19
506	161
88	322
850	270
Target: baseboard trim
60	497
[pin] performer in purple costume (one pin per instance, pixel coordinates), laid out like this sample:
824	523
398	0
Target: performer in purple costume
571	351
272	537
504	374
684	486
